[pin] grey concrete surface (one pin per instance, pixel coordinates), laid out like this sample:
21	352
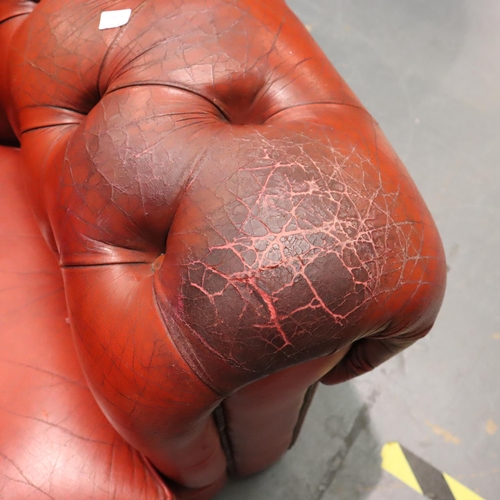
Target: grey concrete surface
429	71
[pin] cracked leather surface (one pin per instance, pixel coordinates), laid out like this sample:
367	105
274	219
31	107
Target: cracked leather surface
225	212
54	441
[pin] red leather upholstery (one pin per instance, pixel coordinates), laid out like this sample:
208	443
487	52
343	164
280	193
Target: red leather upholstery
54	440
229	220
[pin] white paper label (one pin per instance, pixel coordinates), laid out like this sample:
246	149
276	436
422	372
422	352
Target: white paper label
114	18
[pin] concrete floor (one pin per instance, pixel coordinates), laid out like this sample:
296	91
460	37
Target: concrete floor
429	71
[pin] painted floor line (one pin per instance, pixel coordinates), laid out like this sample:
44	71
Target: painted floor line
421	476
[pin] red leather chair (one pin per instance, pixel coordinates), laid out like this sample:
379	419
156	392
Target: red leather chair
231	227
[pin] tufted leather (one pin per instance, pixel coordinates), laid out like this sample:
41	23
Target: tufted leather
230	222
54	440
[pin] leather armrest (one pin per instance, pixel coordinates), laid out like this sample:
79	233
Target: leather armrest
231	224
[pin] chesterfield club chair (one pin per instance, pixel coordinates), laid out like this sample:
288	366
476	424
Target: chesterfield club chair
199	222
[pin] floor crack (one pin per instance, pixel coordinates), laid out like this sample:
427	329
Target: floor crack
335	463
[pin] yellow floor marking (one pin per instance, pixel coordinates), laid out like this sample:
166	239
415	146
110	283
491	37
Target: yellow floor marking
460	492
394	462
